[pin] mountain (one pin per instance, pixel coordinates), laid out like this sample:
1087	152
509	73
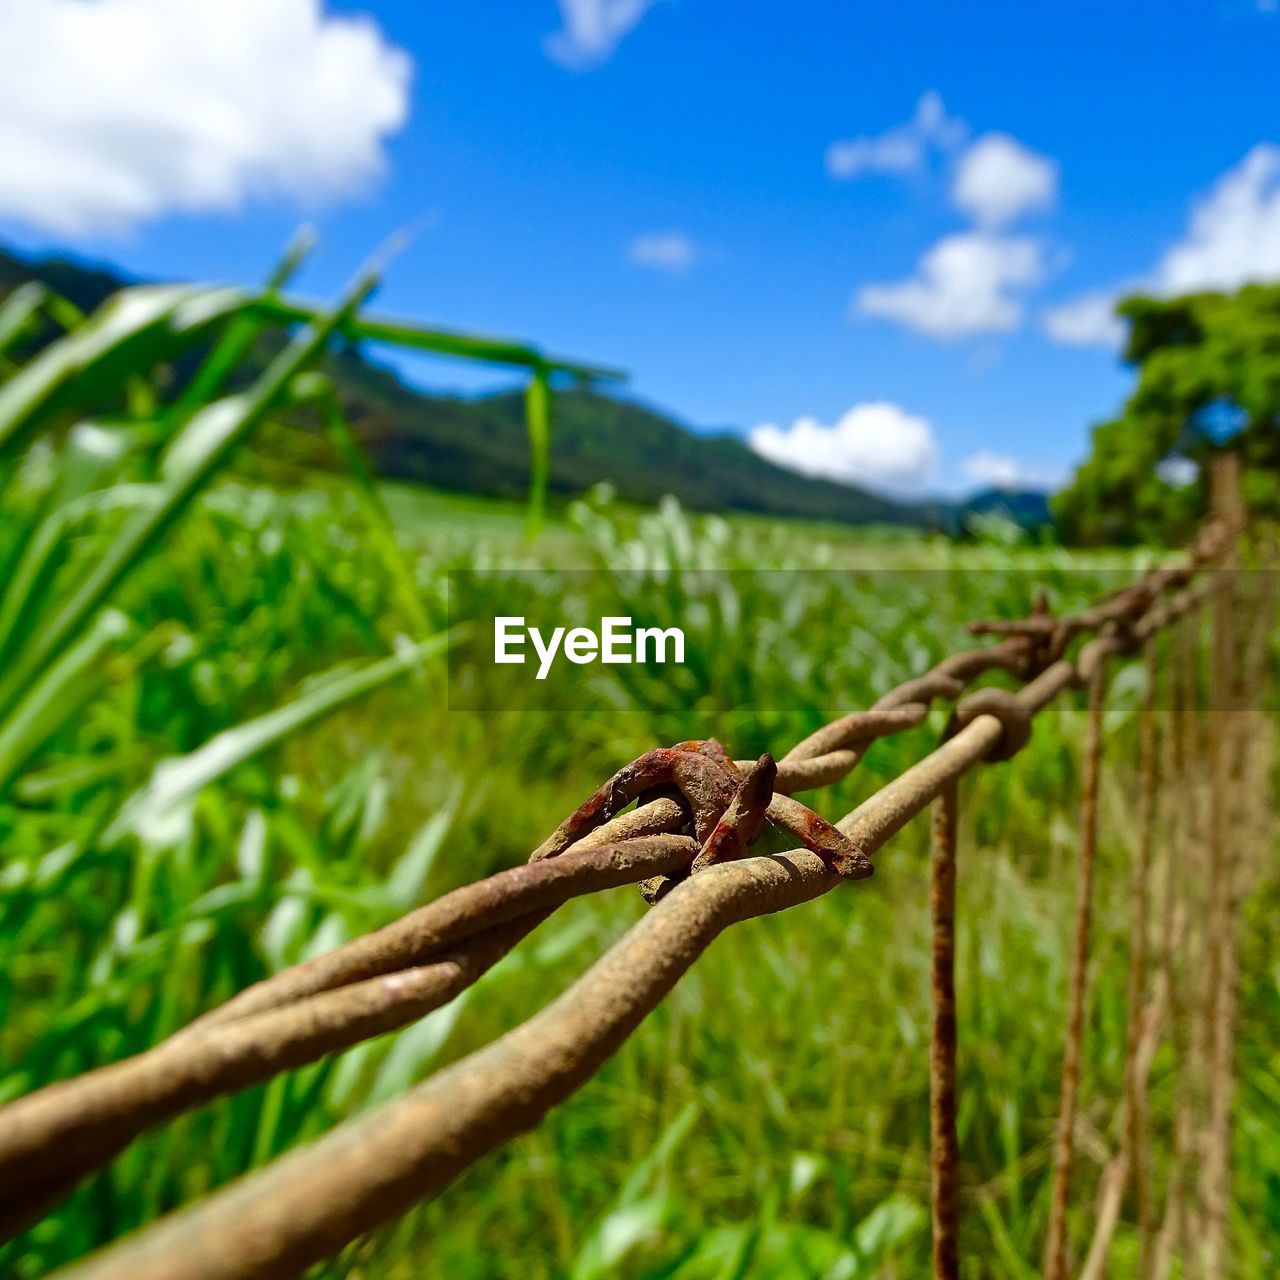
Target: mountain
478	443
1026	507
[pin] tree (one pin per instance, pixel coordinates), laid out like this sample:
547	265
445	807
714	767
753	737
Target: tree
1208	373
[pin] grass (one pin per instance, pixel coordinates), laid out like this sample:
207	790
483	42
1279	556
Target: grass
229	748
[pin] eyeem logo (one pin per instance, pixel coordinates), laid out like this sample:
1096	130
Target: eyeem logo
616	642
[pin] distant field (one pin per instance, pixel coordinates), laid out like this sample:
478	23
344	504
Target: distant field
433	516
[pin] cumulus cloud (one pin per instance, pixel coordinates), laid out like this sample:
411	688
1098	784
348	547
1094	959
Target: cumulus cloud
1234	236
877	445
905	149
591	30
116	112
974	281
1088	321
670	251
1003	471
1232	239
966	284
998	180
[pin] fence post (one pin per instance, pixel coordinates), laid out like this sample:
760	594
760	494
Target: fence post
945	1145
1180	935
1136	1137
1055	1265
1220	994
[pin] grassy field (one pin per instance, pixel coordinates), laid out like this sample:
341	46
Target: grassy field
771	1118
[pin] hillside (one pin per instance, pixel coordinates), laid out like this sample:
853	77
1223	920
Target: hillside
478	444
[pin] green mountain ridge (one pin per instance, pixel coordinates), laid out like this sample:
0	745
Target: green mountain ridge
478	443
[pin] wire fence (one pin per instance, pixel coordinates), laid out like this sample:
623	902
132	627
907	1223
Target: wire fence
686	843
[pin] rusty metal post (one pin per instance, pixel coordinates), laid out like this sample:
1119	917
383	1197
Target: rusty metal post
1130	1166
945	1146
1055	1265
1137	1136
1178	938
1215	1185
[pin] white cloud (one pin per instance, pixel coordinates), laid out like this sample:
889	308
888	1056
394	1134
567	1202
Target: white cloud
1002	471
118	111
670	251
998	179
1233	239
1088	321
966	284
592	30
904	149
878	445
971	282
1234	236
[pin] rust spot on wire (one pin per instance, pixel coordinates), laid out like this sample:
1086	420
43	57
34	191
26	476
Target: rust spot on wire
743	819
819	836
701	772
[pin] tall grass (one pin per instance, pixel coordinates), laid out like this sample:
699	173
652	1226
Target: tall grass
224	747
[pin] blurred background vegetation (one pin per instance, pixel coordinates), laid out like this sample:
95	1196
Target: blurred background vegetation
1208	374
224	747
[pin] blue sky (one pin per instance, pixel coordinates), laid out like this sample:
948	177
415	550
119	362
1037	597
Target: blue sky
881	240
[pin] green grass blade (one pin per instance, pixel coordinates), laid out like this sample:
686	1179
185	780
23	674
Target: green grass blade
89	454
135	329
177	781
537	408
381	527
201	447
403	333
55	694
407	881
18	313
234	344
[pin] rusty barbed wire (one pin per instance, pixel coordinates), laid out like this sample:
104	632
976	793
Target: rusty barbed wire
52	1138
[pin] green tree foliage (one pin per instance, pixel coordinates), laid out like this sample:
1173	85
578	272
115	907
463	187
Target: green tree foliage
1208	370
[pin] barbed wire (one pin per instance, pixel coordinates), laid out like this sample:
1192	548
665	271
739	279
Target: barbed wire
697	812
